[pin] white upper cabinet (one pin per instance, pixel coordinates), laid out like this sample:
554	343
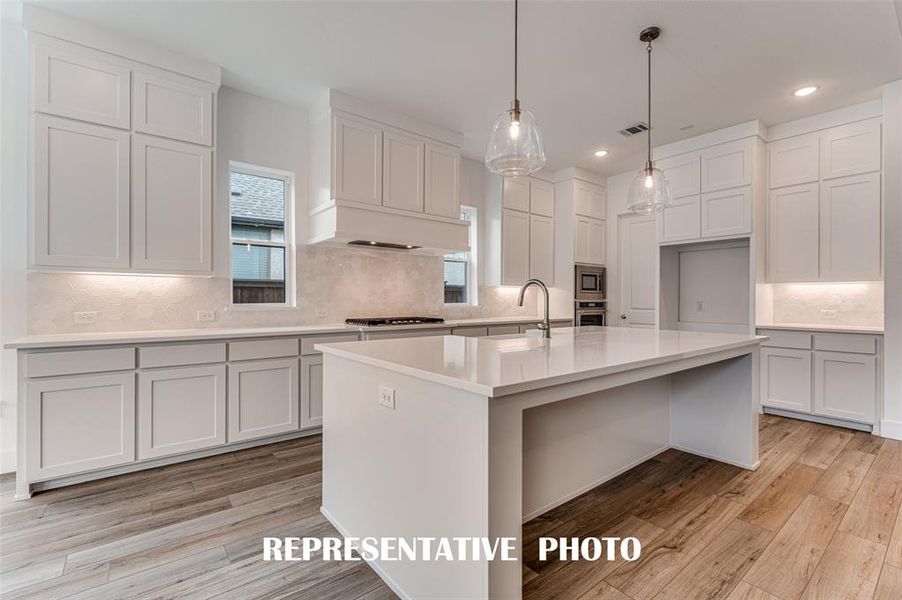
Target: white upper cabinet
589	240
792	234
357	161
727	165
81	195
541	248
515	252
403	171
442	180
681	221
590	200
851	149
173	107
684	174
541	198
172	200
850	228
728	212
515	193
794	160
81	87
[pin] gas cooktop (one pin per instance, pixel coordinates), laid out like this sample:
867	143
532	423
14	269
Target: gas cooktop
394	321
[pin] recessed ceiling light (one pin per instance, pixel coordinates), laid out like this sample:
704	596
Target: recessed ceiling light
601	153
805	91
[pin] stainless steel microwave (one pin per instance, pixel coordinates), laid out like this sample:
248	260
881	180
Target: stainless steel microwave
590	283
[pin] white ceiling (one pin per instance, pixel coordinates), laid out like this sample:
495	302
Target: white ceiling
582	68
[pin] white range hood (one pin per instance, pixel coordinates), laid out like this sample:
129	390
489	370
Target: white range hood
384	180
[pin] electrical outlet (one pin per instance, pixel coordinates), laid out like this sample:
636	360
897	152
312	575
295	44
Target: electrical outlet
828	313
83	318
699	306
205	315
387	397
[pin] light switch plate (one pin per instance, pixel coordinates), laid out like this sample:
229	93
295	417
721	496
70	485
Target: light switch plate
828	313
387	397
83	318
206	315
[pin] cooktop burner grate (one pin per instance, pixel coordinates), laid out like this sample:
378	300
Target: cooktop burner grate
371	322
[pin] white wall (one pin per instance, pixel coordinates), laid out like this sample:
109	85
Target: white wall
892	228
13	224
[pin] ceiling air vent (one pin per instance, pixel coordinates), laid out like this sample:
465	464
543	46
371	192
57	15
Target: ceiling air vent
634	129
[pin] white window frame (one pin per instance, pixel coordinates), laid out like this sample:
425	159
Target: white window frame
472	259
290	287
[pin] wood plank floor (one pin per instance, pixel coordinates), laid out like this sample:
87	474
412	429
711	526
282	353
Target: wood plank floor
820	518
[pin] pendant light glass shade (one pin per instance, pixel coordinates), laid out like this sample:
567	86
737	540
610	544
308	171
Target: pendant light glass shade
515	145
649	192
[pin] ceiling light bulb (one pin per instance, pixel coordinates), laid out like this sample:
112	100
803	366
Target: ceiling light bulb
649	181
805	91
601	153
515	130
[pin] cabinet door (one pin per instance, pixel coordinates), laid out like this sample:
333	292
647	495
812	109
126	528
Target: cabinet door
81	87
851	149
589	241
727	166
403	168
726	213
794	161
541	248
786	379
173	107
514	247
596	241
681	220
541	198
181	409
311	391
845	386
792	234
172	199
81	195
590	200
442	181
850	228
357	163
263	398
684	174
581	239
79	423
515	193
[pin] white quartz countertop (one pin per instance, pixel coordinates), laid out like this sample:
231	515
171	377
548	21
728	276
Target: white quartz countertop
218	333
502	365
823	328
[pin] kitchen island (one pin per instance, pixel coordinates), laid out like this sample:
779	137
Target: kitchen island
469	437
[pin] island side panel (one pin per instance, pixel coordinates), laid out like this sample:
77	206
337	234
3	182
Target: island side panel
574	445
714	410
420	470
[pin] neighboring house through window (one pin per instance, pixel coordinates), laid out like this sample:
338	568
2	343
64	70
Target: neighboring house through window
460	267
260	205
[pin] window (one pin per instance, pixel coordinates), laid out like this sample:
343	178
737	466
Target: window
460	267
260	202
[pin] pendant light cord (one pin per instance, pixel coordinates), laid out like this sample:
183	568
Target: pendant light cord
648	52
516	36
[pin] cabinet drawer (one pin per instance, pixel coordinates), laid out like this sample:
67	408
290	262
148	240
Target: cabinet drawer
390	335
176	355
844	342
308	342
787	339
70	362
470	331
255	349
504	329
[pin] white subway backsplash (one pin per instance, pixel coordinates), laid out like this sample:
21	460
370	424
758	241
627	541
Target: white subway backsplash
332	284
829	303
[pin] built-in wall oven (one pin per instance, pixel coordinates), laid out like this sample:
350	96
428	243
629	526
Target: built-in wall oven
590	302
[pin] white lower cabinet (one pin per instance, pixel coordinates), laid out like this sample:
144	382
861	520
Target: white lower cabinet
181	409
79	423
786	378
845	386
311	391
263	398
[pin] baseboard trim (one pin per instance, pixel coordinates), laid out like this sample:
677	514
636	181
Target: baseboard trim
819	419
373	565
891	429
688	450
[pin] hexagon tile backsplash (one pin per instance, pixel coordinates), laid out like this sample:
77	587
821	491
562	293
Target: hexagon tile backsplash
332	284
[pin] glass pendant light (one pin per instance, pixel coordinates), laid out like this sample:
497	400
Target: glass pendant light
515	144
650	191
